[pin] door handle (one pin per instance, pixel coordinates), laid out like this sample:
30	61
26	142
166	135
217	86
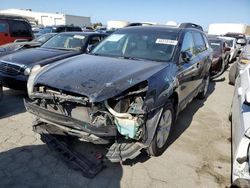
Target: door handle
5	34
198	65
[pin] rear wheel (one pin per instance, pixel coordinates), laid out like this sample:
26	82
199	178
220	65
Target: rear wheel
232	74
159	142
203	93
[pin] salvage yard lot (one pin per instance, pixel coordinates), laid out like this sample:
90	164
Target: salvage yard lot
199	152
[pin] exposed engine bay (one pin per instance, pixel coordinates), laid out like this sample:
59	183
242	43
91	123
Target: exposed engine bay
121	117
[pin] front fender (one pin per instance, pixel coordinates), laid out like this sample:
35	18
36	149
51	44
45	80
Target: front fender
160	87
153	119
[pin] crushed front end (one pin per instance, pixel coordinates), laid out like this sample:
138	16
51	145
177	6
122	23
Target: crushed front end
118	123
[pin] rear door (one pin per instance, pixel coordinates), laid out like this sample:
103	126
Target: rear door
4	33
200	51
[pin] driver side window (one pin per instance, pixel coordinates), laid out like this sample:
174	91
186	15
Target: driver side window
188	44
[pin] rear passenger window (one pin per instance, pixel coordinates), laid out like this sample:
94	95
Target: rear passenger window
188	43
19	29
199	43
3	27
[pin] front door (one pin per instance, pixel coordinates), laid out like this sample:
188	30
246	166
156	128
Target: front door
186	70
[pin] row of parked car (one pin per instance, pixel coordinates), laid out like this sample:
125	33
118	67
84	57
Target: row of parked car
125	90
226	49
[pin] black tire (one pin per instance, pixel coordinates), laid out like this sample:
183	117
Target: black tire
154	149
232	74
230	116
203	93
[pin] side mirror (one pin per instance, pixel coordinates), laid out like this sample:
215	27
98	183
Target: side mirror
186	56
242	42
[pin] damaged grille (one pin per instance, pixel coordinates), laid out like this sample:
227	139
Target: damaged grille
72	105
124	112
11	69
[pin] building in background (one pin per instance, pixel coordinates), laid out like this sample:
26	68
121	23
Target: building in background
223	28
49	19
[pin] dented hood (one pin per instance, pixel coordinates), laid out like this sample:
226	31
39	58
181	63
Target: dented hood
97	77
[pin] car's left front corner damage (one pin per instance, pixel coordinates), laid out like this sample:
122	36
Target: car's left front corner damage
118	120
127	120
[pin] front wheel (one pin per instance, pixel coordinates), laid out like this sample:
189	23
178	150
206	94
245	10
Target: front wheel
159	142
203	93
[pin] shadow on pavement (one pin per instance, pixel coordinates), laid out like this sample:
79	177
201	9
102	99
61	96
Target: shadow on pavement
12	103
38	166
186	116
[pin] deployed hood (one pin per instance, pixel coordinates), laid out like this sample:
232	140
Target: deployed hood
37	56
97	77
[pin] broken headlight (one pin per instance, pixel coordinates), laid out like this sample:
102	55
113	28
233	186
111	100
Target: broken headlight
33	73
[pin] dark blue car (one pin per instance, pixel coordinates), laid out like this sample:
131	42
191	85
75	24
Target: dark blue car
127	92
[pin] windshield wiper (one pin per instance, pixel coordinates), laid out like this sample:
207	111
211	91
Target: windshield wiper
135	58
66	49
142	59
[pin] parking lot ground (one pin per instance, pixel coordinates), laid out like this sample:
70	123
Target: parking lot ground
199	152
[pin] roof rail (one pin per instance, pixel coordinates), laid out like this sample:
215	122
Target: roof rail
12	17
190	25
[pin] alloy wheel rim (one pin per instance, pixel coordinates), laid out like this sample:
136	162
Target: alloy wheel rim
164	128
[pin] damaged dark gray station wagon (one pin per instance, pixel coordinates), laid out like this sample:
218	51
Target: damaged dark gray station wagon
127	93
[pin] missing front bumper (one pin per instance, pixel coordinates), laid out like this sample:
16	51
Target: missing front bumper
116	152
57	124
69	122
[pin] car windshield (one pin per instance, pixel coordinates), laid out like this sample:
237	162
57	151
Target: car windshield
44	38
229	43
139	44
73	42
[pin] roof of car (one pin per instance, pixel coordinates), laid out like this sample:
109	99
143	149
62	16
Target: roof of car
12	17
226	38
215	39
81	33
159	28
